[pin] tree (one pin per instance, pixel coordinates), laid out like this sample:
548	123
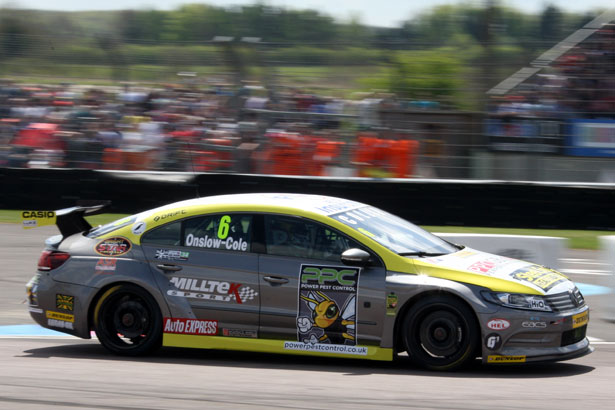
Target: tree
551	24
14	40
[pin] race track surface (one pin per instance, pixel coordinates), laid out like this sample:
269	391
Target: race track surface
42	370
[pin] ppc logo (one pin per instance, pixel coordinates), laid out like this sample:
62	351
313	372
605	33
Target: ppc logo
345	277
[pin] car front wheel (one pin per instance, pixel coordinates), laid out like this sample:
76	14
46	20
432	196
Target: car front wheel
440	333
127	321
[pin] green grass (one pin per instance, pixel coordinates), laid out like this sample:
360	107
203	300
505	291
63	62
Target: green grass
576	239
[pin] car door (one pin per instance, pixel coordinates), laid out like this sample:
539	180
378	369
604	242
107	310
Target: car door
207	270
308	295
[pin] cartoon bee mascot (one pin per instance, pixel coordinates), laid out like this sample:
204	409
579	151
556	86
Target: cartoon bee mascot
337	327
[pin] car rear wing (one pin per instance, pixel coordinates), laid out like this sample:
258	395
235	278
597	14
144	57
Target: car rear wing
69	220
72	220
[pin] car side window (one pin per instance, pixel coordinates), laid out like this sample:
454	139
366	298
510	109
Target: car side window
219	231
302	238
169	234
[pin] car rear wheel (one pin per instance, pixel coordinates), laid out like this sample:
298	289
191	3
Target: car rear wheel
440	333
127	321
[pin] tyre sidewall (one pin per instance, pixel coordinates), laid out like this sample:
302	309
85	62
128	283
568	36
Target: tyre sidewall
154	337
412	322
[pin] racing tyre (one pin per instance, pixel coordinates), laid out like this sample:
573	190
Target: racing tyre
440	333
127	321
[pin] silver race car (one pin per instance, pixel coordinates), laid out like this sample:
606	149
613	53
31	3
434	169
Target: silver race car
298	274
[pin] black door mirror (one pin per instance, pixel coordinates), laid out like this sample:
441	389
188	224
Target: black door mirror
355	257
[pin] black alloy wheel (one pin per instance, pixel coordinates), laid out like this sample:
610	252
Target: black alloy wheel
127	321
440	333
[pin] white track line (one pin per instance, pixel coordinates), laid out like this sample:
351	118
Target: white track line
597	272
584	262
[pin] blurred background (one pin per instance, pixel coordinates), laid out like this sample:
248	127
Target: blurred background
477	90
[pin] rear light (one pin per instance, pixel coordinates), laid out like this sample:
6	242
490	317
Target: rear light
50	260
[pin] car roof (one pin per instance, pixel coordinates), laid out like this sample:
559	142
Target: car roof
318	204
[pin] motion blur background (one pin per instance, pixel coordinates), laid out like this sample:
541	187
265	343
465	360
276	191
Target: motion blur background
465	91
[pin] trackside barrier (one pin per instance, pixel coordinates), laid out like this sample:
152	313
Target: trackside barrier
543	250
423	201
607	246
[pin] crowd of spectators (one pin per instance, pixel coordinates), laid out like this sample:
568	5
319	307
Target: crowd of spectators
580	84
184	128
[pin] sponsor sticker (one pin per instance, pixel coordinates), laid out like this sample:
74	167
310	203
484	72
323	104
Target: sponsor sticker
580	319
498	324
493	341
505	359
169	215
239	333
213	290
326	348
327	305
138	228
105	266
539	276
482	266
59	324
65	302
64	317
113	246
391	304
534	325
172	255
33	219
185	326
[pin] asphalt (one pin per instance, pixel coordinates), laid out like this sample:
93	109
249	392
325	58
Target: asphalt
43	369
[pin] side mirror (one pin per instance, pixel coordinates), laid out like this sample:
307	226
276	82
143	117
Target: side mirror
355	257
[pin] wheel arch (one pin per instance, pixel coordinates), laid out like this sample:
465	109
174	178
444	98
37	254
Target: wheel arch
151	291
398	345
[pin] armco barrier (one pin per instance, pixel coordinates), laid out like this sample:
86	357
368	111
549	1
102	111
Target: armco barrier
424	202
543	250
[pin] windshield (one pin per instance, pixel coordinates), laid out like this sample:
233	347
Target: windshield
394	233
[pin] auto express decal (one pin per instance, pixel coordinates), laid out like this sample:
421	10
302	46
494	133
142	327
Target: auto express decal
213	290
186	326
327	305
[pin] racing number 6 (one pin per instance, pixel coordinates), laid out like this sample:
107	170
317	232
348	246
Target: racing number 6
224	227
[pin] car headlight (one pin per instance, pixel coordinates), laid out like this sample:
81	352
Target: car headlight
518	301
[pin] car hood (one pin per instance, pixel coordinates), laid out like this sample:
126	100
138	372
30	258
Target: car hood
497	273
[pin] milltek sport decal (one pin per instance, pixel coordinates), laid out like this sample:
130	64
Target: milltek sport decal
540	276
327	306
211	290
113	246
185	326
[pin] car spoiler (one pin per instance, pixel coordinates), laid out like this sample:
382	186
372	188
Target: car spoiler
72	220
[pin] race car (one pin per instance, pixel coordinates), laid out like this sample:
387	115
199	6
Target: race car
298	274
